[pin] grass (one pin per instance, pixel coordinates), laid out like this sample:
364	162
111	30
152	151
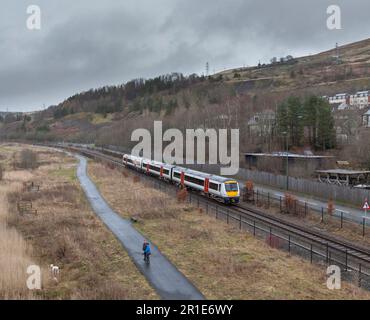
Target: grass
221	261
65	232
15	255
351	231
64	172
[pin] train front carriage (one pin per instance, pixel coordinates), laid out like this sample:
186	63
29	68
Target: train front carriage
230	191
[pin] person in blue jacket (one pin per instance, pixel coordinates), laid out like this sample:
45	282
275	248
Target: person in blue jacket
146	249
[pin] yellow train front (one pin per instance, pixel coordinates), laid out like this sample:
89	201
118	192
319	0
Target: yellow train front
230	191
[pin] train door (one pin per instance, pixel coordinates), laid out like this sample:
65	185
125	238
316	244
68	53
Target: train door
182	179
206	185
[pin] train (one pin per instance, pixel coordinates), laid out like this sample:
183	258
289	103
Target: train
219	188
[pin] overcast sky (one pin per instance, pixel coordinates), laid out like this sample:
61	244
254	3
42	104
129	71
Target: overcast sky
85	44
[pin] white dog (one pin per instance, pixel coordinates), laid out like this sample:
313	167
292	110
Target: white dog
54	271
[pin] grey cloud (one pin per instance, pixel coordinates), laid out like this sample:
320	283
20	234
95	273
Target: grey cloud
85	44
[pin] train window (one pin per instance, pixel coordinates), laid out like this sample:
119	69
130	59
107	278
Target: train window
194	180
166	171
214	186
231	186
155	168
177	175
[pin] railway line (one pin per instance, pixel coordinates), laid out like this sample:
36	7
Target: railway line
353	259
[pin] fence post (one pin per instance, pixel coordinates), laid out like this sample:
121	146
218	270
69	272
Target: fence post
240	222
295	207
363	226
341	219
257	198
254	228
305	209
207	207
322	214
280	205
289	243
270	237
311	253
327	253
268	200
359	275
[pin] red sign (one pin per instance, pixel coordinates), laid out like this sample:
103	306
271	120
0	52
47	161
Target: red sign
366	206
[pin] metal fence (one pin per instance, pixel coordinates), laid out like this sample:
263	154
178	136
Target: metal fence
352	269
302	209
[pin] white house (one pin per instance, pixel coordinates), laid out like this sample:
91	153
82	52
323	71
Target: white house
339	99
366	119
262	123
361	99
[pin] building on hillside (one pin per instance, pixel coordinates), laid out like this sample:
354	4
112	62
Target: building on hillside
366	119
360	99
341	107
339	99
262	123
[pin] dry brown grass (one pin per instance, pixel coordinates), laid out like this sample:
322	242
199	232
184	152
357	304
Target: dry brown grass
15	255
331	225
221	261
65	232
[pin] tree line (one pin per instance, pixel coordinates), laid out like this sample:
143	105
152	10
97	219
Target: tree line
307	121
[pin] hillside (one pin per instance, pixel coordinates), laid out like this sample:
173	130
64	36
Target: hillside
228	99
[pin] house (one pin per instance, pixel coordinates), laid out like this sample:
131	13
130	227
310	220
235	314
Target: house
366	119
340	98
360	99
262	123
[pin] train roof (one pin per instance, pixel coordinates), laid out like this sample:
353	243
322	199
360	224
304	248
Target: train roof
204	175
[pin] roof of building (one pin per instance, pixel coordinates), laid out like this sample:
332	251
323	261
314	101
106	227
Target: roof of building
343	171
286	154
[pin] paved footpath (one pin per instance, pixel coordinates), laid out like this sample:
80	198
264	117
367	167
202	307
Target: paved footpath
164	277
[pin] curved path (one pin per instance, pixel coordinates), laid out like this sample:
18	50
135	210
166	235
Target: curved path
169	282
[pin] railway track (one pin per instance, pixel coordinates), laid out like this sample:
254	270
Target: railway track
332	250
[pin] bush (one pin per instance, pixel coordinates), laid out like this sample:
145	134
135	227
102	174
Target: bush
28	159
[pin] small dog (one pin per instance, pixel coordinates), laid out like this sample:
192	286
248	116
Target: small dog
54	271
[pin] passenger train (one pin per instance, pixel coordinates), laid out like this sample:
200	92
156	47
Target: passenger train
217	187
